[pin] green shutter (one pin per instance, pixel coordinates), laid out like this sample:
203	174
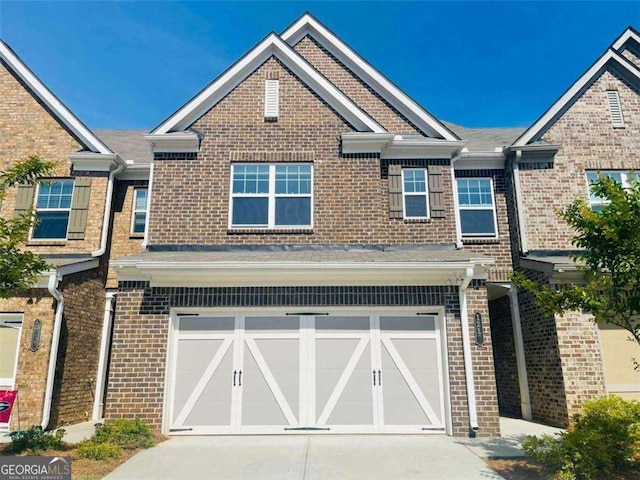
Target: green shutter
79	208
24	199
436	191
395	191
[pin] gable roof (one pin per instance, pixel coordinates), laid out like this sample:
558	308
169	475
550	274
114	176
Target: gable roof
421	118
130	145
228	80
610	58
55	106
630	37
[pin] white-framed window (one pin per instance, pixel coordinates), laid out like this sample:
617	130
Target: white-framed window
139	216
53	206
10	335
625	178
271	196
476	205
415	195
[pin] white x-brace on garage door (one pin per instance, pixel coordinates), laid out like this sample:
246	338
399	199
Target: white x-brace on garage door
340	373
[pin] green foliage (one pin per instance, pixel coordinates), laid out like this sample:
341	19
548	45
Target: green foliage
34	441
609	259
18	268
98	451
604	441
128	434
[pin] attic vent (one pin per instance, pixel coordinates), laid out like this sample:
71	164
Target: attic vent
271	99
613	99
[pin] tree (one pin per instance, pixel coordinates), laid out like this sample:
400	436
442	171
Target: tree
609	242
19	268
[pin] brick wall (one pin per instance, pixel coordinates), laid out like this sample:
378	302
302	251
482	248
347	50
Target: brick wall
635	59
350	192
353	87
500	248
79	347
31	376
136	378
588	141
504	356
29	129
122	241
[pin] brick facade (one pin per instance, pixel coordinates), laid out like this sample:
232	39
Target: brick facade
138	362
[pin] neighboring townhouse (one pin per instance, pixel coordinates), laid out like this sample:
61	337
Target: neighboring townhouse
546	367
50	334
313	263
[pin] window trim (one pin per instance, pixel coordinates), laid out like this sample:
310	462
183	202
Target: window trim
416	194
624	179
478	236
13	318
36	210
271	198
134	211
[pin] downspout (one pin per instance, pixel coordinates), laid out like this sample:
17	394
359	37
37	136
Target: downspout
107	212
524	247
456	209
146	225
523	381
52	286
466	349
107	323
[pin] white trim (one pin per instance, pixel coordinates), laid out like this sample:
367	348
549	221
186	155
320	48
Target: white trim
424	194
105	340
93	162
391	146
145	241
521	362
53	349
138	171
14	318
174	142
49	99
137	189
571	95
272	45
36	209
307	24
493	208
480	161
628	34
466	350
623	387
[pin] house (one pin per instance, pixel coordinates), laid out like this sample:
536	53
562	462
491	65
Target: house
305	267
556	363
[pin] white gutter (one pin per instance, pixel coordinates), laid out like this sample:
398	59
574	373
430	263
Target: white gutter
98	404
523	382
53	353
145	241
522	231
456	207
466	349
107	213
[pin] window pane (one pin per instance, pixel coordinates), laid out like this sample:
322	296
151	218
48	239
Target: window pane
141	199
477	222
414	180
293	179
250	211
415	205
55	194
139	221
474	192
250	178
293	211
51	225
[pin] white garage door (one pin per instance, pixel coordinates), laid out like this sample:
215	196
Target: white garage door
306	373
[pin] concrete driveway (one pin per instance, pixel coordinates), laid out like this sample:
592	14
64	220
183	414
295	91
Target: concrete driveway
306	458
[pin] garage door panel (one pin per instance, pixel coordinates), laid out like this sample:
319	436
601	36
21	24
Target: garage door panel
193	357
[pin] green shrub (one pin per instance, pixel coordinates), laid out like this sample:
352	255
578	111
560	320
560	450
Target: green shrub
127	434
98	451
605	440
34	441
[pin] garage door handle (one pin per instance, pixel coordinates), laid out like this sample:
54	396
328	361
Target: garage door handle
379	378
240	378
374	378
234	378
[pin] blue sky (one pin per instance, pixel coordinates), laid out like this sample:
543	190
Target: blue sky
131	64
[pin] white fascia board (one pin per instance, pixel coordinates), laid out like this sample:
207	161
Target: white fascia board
357	142
391	146
536	130
628	34
93	162
480	161
175	142
295	274
307	24
135	171
272	45
51	101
